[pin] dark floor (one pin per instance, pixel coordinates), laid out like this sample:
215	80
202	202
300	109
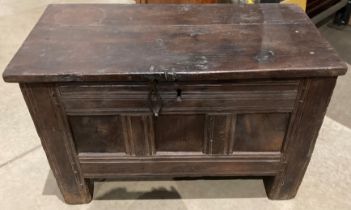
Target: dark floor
340	105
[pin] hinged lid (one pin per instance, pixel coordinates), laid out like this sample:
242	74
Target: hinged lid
104	42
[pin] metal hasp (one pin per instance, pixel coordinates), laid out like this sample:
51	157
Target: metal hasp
155	101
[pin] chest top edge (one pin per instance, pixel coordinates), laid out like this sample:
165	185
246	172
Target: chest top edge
104	42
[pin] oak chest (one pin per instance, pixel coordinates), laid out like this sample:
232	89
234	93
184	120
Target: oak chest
176	90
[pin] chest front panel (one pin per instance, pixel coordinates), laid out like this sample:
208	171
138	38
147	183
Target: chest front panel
193	119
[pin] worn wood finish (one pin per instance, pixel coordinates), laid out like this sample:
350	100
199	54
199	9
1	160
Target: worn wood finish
185	42
176	90
98	133
99	167
301	137
260	132
257	96
219	133
52	127
181	139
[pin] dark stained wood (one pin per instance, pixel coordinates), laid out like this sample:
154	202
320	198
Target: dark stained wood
139	134
263	96
260	132
219	132
173	133
239	90
175	166
301	137
180	169
98	133
52	127
190	42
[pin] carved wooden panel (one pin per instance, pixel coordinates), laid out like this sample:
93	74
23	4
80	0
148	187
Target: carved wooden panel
258	96
213	134
209	118
219	133
260	132
97	133
139	135
179	133
132	135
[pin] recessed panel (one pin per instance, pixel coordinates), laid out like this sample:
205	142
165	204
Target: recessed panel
97	133
177	133
260	132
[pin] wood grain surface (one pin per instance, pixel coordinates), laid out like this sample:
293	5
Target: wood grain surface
189	42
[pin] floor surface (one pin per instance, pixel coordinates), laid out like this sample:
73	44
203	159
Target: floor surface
27	183
340	106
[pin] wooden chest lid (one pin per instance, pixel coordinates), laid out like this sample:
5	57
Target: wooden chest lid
104	42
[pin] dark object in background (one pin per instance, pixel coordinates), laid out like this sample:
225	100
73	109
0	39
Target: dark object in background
342	17
314	7
321	11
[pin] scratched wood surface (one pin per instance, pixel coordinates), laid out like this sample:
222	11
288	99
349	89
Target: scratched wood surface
193	42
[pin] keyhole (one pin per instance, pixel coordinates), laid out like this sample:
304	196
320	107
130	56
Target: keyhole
179	95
